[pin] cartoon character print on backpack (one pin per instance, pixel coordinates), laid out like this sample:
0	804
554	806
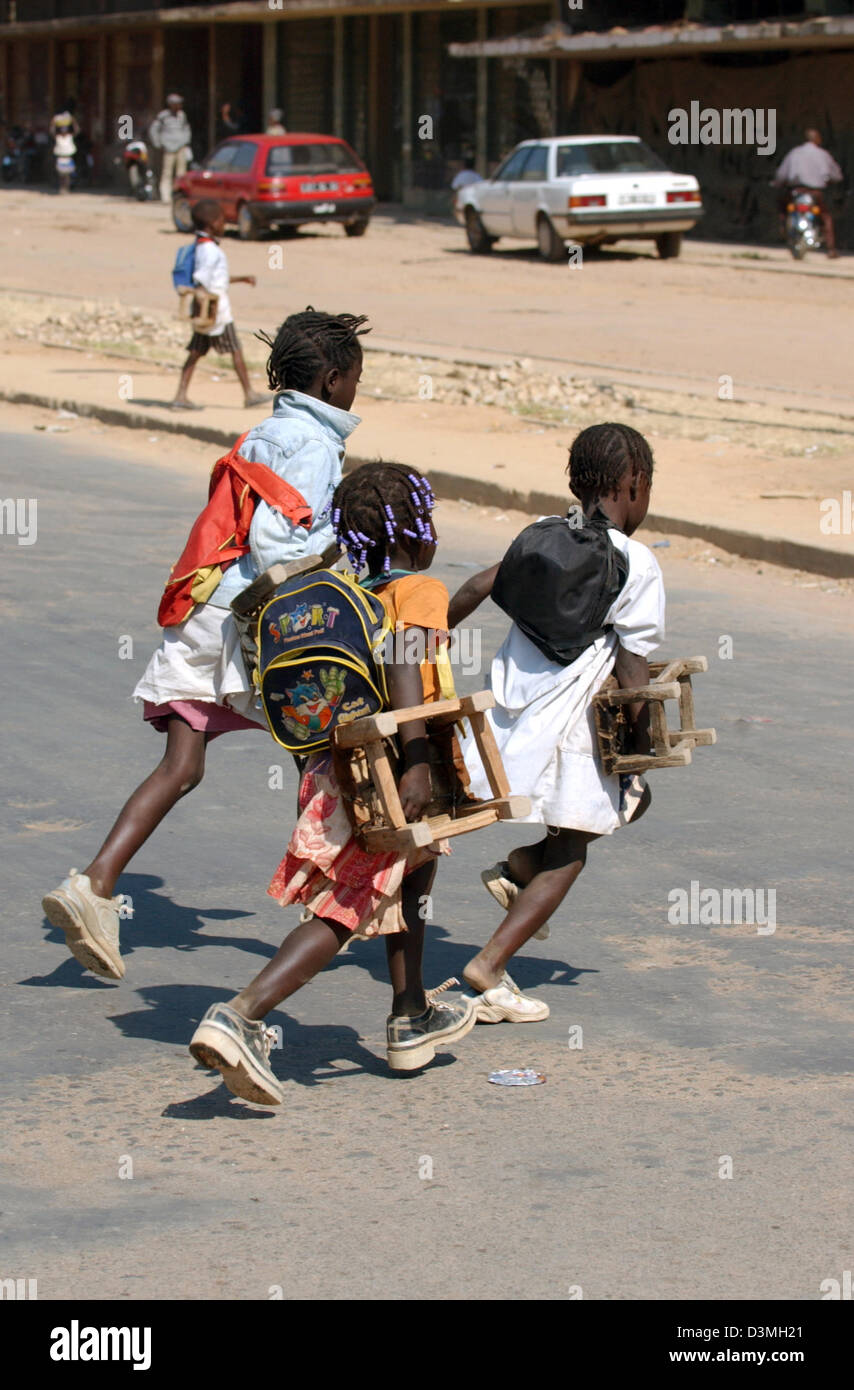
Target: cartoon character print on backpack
312	701
317	663
307	619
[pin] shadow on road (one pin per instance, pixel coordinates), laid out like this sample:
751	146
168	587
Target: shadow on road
310	1053
444	957
157	921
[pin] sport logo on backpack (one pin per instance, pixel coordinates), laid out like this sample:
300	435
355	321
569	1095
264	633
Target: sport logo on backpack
319	658
558	581
182	270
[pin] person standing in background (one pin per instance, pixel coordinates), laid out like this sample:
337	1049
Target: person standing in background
170	133
63	128
275	124
231	121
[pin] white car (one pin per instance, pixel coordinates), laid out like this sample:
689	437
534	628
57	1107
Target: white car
590	190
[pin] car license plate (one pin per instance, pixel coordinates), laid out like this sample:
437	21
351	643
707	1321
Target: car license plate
320	208
634	199
319	186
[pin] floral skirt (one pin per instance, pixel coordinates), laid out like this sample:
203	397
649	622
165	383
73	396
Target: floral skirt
326	870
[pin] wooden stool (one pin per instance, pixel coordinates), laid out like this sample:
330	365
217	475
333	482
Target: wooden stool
364	766
671	680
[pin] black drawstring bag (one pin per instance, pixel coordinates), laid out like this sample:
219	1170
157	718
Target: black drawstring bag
558	580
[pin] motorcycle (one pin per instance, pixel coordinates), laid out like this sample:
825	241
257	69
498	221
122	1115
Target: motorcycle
803	223
139	171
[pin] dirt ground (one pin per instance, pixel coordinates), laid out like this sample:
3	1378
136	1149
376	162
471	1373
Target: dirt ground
735	363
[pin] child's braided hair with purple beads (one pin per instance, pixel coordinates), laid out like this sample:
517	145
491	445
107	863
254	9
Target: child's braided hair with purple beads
379	507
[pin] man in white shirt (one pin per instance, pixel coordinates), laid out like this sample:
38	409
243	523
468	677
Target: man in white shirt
170	132
210	273
810	166
468	174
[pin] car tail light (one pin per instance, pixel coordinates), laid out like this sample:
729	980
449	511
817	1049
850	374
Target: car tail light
590	200
274	185
360	181
690	195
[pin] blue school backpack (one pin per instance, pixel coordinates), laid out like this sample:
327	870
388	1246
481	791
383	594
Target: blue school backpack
182	270
319	658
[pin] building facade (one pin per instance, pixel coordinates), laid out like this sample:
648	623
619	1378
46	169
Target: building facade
418	85
379	74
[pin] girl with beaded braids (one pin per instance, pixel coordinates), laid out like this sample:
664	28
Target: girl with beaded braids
195	686
543	724
382	515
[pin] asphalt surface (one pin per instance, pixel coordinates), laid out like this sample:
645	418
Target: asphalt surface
699	1043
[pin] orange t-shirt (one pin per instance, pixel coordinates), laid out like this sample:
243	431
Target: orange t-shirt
416	601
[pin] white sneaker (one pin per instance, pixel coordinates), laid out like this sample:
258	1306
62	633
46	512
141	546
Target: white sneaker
498	882
507	1003
90	923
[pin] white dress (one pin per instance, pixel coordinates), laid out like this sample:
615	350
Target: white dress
543	716
200	659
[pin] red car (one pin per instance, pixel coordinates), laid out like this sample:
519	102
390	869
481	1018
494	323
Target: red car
264	181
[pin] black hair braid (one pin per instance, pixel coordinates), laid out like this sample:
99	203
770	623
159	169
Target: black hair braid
600	456
380	506
309	343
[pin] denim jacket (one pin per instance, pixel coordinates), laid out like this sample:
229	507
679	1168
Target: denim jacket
303	442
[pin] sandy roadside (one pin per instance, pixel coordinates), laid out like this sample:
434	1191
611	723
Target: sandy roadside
485	530
752	426
721	477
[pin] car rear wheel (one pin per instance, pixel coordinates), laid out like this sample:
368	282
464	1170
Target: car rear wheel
550	245
182	213
358	227
479	240
669	244
247	227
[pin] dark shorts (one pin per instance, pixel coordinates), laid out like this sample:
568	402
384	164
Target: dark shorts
226	341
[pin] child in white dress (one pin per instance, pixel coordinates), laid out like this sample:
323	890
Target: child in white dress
543	719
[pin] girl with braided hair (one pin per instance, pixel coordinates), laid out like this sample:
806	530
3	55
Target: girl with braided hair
382	515
195	686
543	720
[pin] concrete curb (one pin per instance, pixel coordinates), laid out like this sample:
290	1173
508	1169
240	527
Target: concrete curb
773	550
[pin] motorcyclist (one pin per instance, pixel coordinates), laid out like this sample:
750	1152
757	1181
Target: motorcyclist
809	166
136	162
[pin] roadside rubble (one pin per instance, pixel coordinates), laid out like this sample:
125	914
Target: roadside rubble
521	386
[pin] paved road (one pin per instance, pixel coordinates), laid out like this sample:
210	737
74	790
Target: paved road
698	1042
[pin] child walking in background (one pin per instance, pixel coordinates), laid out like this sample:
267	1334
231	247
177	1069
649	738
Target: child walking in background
210	272
271	501
383	518
543	718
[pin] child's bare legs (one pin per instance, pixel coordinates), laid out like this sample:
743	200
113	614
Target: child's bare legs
313	944
250	397
186	372
547	871
555	863
301	956
526	861
181	768
405	950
